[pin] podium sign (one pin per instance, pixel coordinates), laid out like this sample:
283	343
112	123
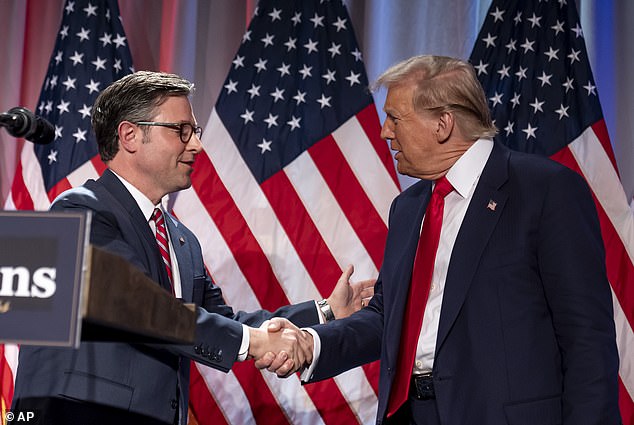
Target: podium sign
42	256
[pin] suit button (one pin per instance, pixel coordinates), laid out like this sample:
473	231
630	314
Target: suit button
174	404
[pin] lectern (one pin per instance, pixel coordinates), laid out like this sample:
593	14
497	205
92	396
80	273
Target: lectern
57	289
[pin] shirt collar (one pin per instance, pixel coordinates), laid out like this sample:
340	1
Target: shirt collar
464	174
145	205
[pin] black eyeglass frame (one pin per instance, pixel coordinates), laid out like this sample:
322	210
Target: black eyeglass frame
180	126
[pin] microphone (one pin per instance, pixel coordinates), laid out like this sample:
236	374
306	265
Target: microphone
20	122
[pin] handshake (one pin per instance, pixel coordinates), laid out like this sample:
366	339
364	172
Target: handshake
281	347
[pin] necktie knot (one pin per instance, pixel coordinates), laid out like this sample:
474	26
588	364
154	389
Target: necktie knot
157	216
442	187
162	241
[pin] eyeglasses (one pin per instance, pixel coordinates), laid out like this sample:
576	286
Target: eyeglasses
185	129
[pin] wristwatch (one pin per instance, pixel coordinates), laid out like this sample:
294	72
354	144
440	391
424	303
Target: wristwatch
325	308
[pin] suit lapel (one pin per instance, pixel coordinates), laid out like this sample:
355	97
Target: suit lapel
479	222
181	247
147	240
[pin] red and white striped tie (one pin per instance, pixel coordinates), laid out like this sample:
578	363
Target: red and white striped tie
163	243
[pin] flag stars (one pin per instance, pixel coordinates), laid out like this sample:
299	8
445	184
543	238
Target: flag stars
521	73
357	54
537	105
77	58
79	135
49	106
340	24
297	19
90	10
490	40
510	46
238	62
117	65
504	72
534	20
85	111
545	79
558	27
574	56
58	132
64	32
527	45
562	111
277	94
246	36
99	64
284	70
247	116
530	131
353	78
63	107
268	40
329	76
482	68
509	128
261	65
518	18
318	21
70	7
334	49
552	54
105	39
496	99
119	41
265	146
271	120
311	46
324	101
59	57
276	15
305	71
562	3
515	100
590	88
294	122
300	97
231	86
254	91
69	83
53	82
497	15
83	34
291	44
568	84
577	30
52	156
93	86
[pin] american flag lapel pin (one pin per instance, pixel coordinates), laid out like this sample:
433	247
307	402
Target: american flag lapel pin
492	204
181	240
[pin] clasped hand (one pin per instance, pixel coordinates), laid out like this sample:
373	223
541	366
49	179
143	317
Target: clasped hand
281	347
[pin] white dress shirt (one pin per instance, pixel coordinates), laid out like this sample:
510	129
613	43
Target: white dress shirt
463	176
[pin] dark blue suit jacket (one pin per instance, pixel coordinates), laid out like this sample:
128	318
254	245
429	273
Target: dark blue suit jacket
138	378
526	332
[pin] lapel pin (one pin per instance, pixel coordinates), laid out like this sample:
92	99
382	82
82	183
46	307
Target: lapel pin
181	240
492	204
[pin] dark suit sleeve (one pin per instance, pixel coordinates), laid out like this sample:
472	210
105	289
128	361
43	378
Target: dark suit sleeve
571	263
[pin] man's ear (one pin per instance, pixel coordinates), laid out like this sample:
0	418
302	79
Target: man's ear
129	136
444	126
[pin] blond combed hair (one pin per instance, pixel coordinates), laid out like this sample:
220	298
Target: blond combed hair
444	84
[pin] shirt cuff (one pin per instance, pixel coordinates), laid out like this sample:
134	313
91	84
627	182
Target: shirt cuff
308	373
244	346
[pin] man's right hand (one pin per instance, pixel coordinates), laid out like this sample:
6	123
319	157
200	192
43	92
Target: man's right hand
283	348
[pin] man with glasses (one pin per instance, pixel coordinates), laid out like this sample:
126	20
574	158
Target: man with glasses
149	139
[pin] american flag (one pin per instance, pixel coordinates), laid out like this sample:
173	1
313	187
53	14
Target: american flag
531	58
91	51
293	184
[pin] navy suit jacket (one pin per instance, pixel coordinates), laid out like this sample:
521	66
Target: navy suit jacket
138	378
526	332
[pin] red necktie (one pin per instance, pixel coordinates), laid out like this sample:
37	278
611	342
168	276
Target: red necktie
161	239
418	293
